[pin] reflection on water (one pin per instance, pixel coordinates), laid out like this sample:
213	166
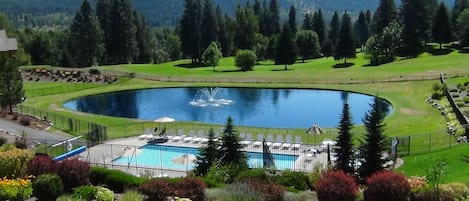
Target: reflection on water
274	108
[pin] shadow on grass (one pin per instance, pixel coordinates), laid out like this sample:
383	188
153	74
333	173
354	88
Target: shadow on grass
465	158
343	65
275	70
437	51
191	65
233	71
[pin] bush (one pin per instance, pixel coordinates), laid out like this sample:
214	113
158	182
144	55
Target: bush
192	188
297	180
47	187
157	189
25	121
13	162
386	186
466	99
240	191
456	190
270	191
212	183
245	59
132	196
68	198
15	189
416	182
40	164
2	141
428	194
256	173
336	185
94	71
73	173
315	175
85	192
104	194
116	180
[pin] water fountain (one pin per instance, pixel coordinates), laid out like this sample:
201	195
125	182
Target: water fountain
207	97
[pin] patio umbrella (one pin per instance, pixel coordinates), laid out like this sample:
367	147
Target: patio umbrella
164	120
315	129
185	159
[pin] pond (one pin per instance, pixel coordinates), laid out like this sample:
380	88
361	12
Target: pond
259	107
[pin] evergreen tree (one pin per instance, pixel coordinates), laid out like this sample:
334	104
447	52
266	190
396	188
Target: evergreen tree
212	55
345	47
271	51
11	83
143	39
40	48
103	12
257	7
459	6
209	24
286	49
246	28
319	26
307	43
190	30
374	144
207	155
441	30
463	22
334	30
414	27
385	14
307	22
381	48
230	151
361	28
292	19
166	46
123	42
344	151
274	18
264	19
85	42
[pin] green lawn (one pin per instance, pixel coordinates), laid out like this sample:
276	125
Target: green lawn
457	169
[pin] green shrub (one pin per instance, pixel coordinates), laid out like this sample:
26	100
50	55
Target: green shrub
466	99
2	141
256	173
15	189
47	187
297	180
13	162
212	183
68	198
132	196
116	180
241	192
104	194
85	192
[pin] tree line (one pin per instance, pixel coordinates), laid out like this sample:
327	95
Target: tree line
114	33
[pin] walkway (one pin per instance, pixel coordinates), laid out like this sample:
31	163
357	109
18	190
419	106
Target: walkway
16	129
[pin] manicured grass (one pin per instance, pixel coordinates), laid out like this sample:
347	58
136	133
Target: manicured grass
47	88
319	70
457	170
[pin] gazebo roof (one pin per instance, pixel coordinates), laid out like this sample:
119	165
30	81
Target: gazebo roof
7	44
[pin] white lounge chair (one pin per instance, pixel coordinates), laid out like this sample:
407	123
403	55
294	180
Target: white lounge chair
270	139
297	143
258	142
288	143
279	142
145	135
247	140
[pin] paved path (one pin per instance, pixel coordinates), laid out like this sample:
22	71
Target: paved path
16	129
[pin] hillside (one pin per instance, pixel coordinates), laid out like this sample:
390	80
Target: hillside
50	13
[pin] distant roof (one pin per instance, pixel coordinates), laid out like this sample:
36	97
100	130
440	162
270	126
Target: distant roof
7	44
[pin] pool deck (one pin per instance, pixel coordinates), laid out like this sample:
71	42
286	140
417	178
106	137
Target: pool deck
104	154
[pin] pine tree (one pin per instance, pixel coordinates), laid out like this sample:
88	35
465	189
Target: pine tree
441	30
344	151
230	151
334	30
292	19
361	28
307	22
209	25
286	49
414	27
190	30
307	43
246	27
143	39
223	39
374	143
459	6
11	83
85	42
345	47
274	18
385	14
103	12
463	21
319	26
123	42
207	155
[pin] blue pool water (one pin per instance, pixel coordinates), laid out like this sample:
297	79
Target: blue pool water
160	156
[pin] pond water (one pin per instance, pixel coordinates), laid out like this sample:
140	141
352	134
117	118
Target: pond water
273	108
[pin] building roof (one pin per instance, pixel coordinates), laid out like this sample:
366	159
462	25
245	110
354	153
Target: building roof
7	44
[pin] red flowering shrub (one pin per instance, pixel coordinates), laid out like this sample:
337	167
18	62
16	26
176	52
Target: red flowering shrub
192	188
40	164
73	173
386	186
336	185
157	189
271	191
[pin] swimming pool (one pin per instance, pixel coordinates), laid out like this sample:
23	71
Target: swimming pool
162	156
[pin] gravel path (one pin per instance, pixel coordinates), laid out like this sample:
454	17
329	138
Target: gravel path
16	130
